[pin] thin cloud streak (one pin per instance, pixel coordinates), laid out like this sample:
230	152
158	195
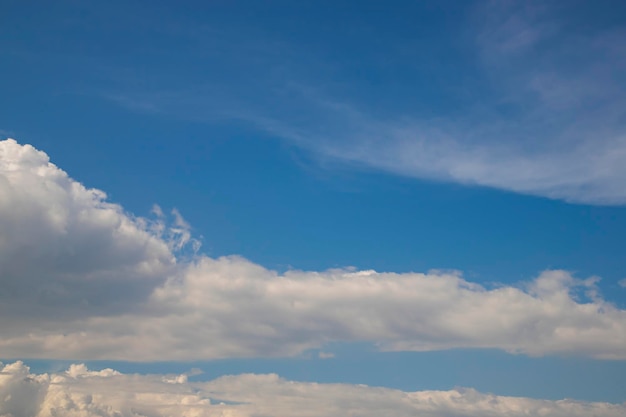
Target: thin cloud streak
551	123
543	113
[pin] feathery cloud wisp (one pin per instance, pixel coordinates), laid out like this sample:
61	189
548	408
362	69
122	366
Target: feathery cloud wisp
528	105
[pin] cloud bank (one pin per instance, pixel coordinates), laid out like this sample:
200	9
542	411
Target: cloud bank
79	392
211	308
82	279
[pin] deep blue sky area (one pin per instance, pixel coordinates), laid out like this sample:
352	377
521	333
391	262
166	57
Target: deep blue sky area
406	136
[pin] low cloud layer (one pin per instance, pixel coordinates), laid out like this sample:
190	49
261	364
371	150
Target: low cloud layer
230	307
82	279
79	392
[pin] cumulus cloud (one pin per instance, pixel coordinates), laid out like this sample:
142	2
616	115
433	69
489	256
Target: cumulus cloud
79	392
89	281
63	245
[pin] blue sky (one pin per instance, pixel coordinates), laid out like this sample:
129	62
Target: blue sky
479	143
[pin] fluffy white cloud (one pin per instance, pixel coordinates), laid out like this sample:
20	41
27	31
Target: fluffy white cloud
87	281
79	392
64	248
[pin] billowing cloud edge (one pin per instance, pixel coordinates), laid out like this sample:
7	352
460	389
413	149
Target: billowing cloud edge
80	392
83	280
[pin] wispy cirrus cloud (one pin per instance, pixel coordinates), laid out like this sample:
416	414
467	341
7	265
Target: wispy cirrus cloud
83	279
543	116
530	104
79	392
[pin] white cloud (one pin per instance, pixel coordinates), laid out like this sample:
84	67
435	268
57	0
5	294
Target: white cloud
230	307
87	281
62	244
79	392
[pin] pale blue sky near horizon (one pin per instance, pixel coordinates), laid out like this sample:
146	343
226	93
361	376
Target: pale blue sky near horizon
292	133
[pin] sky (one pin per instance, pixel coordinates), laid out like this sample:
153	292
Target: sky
313	208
